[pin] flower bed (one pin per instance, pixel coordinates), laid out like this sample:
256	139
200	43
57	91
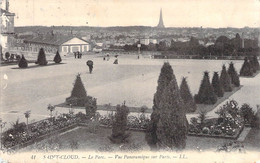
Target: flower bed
13	137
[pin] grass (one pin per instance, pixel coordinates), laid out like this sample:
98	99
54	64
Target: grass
95	141
252	141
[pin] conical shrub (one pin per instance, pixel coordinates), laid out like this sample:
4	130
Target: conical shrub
233	75
23	63
246	69
166	75
78	94
225	80
172	126
206	93
41	60
188	100
218	89
57	58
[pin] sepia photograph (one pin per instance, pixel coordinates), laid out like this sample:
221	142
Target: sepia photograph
130	80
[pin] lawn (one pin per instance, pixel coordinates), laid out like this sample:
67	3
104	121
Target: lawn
99	141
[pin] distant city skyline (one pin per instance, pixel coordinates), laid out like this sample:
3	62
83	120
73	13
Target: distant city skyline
105	13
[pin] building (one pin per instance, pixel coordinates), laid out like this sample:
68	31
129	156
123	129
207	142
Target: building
145	41
160	24
52	43
6	26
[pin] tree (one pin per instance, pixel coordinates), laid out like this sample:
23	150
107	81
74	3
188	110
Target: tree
57	58
172	126
202	117
206	93
188	100
27	115
225	80
23	63
91	106
246	69
78	94
247	113
166	75
41	60
218	89
119	125
233	75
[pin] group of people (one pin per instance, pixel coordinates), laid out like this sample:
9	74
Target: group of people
77	54
107	57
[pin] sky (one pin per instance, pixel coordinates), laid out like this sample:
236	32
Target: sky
176	13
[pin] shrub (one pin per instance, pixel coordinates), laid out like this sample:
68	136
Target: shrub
41	60
217	132
143	109
233	75
166	75
255	63
205	130
217	86
247	113
188	100
246	69
78	94
194	121
23	63
172	127
119	126
202	117
225	80
57	58
91	106
7	55
206	93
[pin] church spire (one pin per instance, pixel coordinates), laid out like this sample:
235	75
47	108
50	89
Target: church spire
160	24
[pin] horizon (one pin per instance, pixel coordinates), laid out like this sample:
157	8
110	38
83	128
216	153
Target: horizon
135	26
119	13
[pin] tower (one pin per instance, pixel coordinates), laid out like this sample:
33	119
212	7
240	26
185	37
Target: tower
160	24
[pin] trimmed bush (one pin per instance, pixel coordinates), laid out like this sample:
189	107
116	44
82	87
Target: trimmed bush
57	58
78	94
218	89
246	69
41	60
166	75
119	126
256	63
188	100
206	93
91	106
225	80
233	75
7	55
172	127
23	63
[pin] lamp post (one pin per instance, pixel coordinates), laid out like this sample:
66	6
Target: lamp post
139	50
51	108
2	125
